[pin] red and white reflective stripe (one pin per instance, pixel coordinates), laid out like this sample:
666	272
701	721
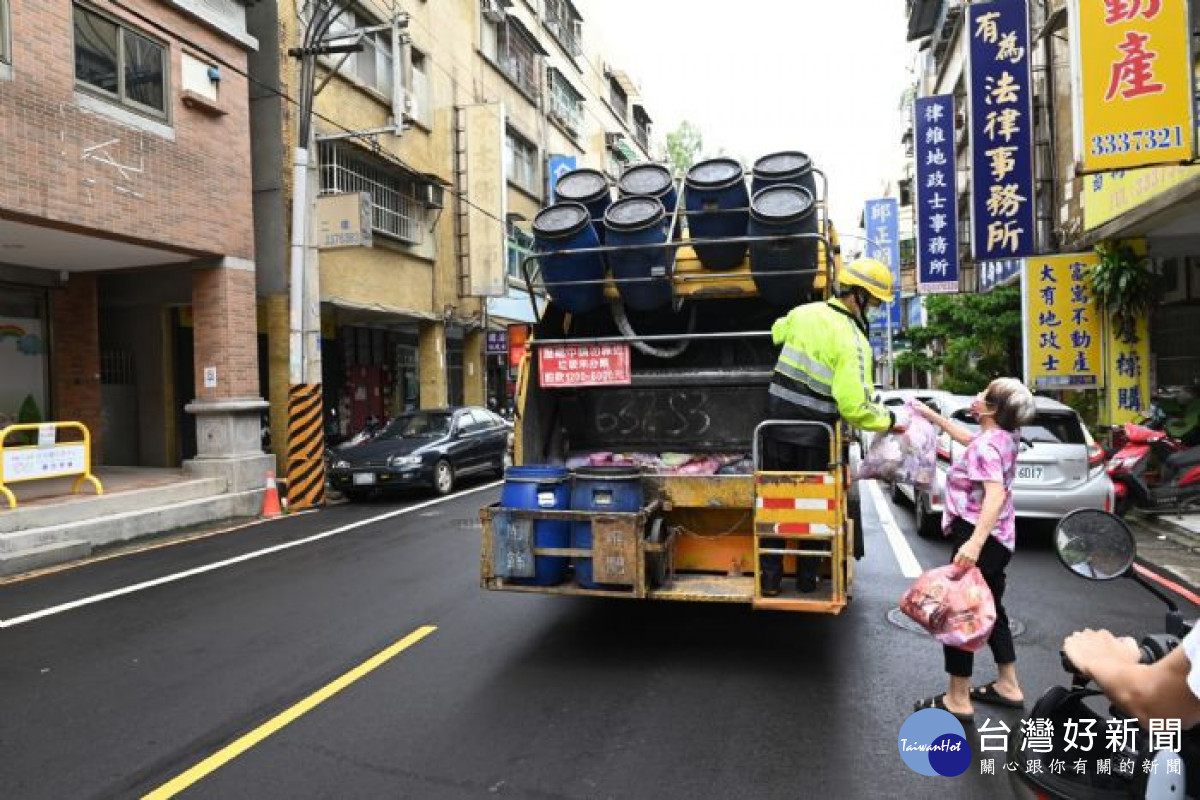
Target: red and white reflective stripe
797	503
802	527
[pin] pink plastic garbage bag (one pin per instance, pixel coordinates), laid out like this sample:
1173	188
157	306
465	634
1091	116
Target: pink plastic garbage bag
909	457
958	609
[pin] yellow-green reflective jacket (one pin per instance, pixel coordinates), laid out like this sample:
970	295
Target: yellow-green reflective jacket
825	368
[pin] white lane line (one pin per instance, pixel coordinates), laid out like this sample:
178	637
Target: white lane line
909	566
178	576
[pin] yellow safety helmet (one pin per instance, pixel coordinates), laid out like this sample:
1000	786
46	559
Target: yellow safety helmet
871	275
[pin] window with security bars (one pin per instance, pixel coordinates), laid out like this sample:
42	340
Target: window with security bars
395	209
119	63
521	162
566	104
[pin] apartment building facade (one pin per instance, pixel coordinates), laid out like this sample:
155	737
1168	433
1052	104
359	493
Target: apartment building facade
447	120
127	264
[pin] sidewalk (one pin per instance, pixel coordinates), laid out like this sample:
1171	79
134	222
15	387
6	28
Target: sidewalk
1170	542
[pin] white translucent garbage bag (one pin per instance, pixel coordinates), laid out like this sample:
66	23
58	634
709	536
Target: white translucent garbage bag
909	457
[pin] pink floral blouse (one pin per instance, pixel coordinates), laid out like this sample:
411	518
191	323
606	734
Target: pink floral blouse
991	456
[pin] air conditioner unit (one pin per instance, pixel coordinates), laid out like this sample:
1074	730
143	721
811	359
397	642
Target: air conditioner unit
493	11
434	195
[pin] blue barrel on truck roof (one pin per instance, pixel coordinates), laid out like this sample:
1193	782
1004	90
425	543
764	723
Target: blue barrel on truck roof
651	180
633	221
600	489
775	211
717	205
588	187
564	227
547	488
787	167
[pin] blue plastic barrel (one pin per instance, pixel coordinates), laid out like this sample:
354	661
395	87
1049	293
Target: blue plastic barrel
563	227
787	167
547	488
651	180
778	210
588	187
633	221
600	489
717	204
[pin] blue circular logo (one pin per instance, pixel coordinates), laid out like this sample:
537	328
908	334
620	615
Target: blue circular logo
932	742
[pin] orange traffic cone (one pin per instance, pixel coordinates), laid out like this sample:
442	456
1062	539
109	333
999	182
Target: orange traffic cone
271	498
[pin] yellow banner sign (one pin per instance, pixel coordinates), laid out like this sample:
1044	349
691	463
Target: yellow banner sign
1128	374
1108	195
1063	327
1133	81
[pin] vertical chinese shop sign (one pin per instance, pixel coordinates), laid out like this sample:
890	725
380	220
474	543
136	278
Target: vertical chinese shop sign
937	195
1132	73
1128	373
1063	327
1001	131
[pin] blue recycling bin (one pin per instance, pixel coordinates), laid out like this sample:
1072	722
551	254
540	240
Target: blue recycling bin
557	230
545	487
717	204
600	489
634	221
776	211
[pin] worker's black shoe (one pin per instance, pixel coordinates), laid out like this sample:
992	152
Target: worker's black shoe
771	589
806	583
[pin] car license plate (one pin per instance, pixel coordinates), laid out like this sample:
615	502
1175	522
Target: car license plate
1031	473
364	478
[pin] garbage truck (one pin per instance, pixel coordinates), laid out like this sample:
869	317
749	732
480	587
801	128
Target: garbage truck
641	402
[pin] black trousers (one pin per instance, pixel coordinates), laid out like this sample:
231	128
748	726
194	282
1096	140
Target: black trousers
993	560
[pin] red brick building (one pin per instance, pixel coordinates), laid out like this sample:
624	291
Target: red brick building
127	273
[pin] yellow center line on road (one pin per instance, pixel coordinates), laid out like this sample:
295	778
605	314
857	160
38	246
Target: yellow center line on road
245	742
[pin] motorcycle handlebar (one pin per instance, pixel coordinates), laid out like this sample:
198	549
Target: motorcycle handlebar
1153	647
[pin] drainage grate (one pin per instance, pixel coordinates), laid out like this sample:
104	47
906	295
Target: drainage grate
898	618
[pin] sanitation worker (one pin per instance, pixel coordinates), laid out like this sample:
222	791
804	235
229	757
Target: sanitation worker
825	374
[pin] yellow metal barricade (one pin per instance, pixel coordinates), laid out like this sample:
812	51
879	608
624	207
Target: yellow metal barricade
20	463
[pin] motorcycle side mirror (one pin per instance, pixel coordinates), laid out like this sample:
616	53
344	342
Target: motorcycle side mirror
1095	544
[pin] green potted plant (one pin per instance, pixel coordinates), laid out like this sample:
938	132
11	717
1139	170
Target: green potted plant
1124	285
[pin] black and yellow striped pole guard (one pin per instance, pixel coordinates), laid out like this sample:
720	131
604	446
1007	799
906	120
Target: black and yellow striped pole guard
306	447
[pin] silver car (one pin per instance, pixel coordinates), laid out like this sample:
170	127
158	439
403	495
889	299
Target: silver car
1059	468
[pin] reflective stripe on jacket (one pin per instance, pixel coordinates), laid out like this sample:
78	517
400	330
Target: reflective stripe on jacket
826	368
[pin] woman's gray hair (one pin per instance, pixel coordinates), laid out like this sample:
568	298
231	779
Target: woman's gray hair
1013	402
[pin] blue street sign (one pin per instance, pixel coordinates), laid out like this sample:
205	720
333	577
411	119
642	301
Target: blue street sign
883	243
937	195
1001	130
557	166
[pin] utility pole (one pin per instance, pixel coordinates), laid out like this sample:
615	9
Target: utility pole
306	416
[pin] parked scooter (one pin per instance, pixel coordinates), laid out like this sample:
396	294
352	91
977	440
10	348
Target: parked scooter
1099	546
1154	472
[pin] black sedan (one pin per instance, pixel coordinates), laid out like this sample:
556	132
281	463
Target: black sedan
424	448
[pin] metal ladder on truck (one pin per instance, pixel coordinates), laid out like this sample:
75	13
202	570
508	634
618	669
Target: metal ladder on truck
807	512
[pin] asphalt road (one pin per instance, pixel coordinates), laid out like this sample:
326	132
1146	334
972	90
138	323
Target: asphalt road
520	696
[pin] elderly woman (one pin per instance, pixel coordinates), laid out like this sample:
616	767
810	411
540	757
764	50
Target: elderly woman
980	521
